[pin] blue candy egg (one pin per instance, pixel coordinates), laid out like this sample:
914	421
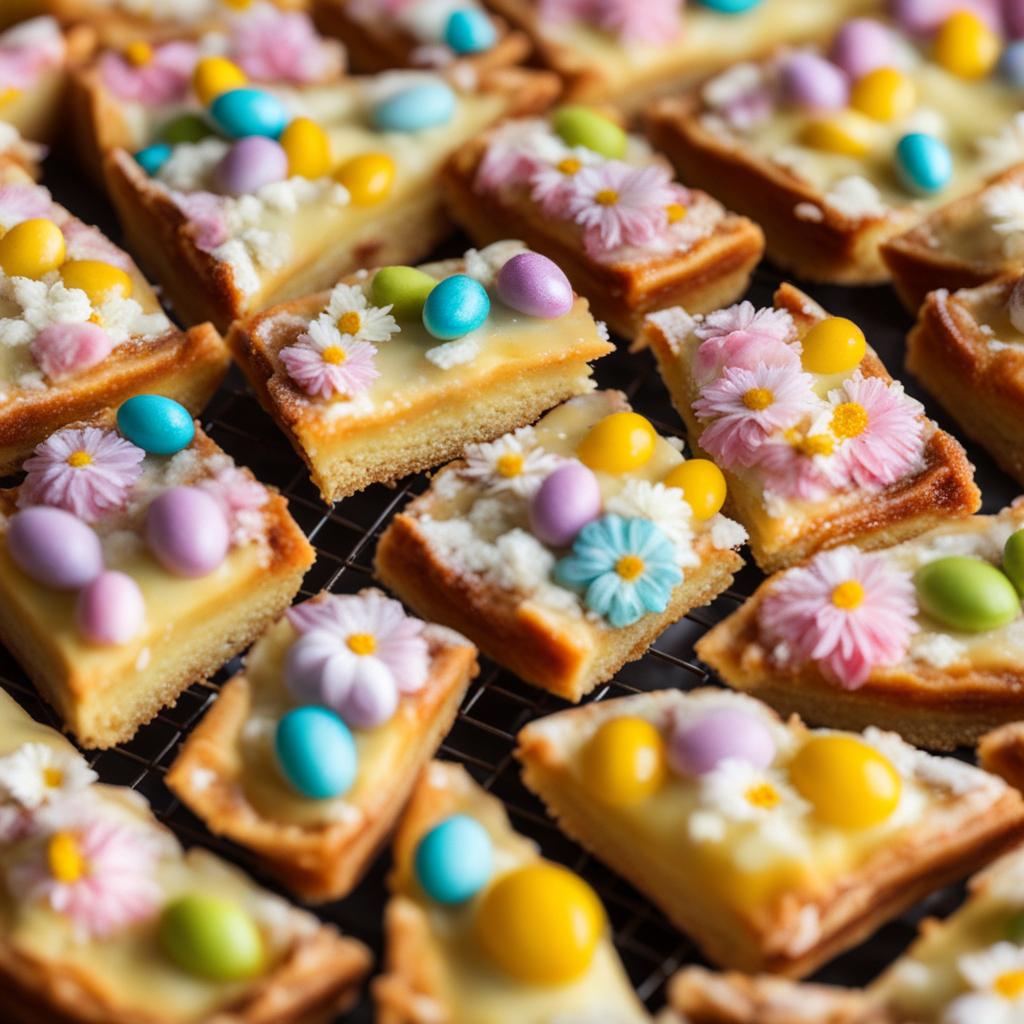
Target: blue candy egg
455	306
415	108
730	6
316	752
158	425
924	162
470	31
152	158
1011	64
243	112
454	860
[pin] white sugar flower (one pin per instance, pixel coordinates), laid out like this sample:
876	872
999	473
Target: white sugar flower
665	507
742	792
355	318
996	979
512	463
37	774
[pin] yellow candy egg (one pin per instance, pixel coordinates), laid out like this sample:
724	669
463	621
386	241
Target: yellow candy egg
835	345
850	784
214	75
702	484
966	46
618	443
884	94
847	132
308	148
540	924
98	280
624	761
368	177
32	248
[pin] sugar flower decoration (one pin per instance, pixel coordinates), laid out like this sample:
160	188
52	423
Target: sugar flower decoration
654	22
996	978
29	50
20	202
744	336
87	471
207	217
242	498
271	45
64	350
552	182
356	654
324	362
515	151
665	507
626	568
845	610
743	792
356	319
881	428
802	463
514	463
746	406
37	774
150	75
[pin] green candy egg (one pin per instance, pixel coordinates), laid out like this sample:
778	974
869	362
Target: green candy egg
581	126
211	937
185	128
405	289
1015	929
967	594
1013	560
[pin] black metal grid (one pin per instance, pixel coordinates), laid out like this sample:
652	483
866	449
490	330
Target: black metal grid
498	704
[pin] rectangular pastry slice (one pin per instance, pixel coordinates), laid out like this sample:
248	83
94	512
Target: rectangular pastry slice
80	328
308	755
230	228
106	917
630	238
480	927
921	638
136	561
835	152
402	399
772	846
820	446
564	549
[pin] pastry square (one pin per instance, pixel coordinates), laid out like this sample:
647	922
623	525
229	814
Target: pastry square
127	574
403	400
105	914
629	52
854	639
657	244
564	549
820	446
967	349
309	766
480	927
835	152
773	847
372	196
81	328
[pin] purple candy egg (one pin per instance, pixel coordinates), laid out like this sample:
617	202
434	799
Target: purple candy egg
250	164
532	284
864	45
923	17
568	499
369	702
811	82
54	547
187	531
110	610
697	748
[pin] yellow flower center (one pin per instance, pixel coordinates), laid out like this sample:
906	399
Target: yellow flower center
138	53
362	643
64	858
79	459
95	318
757	399
570	166
763	795
849	420
607	197
1010	985
848	595
9	95
509	465
811	444
52	777
676	212
350	322
334	354
629	567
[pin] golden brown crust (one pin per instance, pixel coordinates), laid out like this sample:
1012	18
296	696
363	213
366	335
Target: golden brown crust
1002	753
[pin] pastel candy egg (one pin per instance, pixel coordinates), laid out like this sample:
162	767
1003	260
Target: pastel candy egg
884	94
213	76
99	280
455	306
54	547
187	531
624	761
730	6
567	499
1013	560
581	126
368	177
811	82
211	937
185	128
152	158
110	610
835	345
847	132
1011	64
32	248
923	17
965	593
307	148
316	752
156	424
470	31
250	164
703	486
416	108
966	46
532	284
725	733
454	860
619	443
924	163
862	45
404	289
243	112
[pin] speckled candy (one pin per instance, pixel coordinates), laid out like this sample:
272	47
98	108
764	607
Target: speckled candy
811	82
250	164
187	531
404	289
456	306
454	860
413	109
724	733
532	284
581	126
152	158
211	937
967	594
316	752
470	31
1011	64
110	610
156	424
568	499
54	547
863	45
243	112
924	163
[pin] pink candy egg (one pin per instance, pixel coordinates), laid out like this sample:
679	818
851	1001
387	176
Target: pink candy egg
568	499
864	45
813	83
532	284
110	610
698	748
187	531
62	350
54	547
250	164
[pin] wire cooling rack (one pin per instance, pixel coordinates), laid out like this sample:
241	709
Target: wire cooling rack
498	704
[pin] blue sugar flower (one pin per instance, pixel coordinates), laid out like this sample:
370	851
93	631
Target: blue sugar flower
627	567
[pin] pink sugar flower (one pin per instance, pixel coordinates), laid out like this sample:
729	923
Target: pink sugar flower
23	202
655	22
801	465
562	12
84	242
206	215
86	471
845	610
159	77
881	429
64	350
744	336
243	500
516	151
552	182
747	406
271	45
29	50
324	362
